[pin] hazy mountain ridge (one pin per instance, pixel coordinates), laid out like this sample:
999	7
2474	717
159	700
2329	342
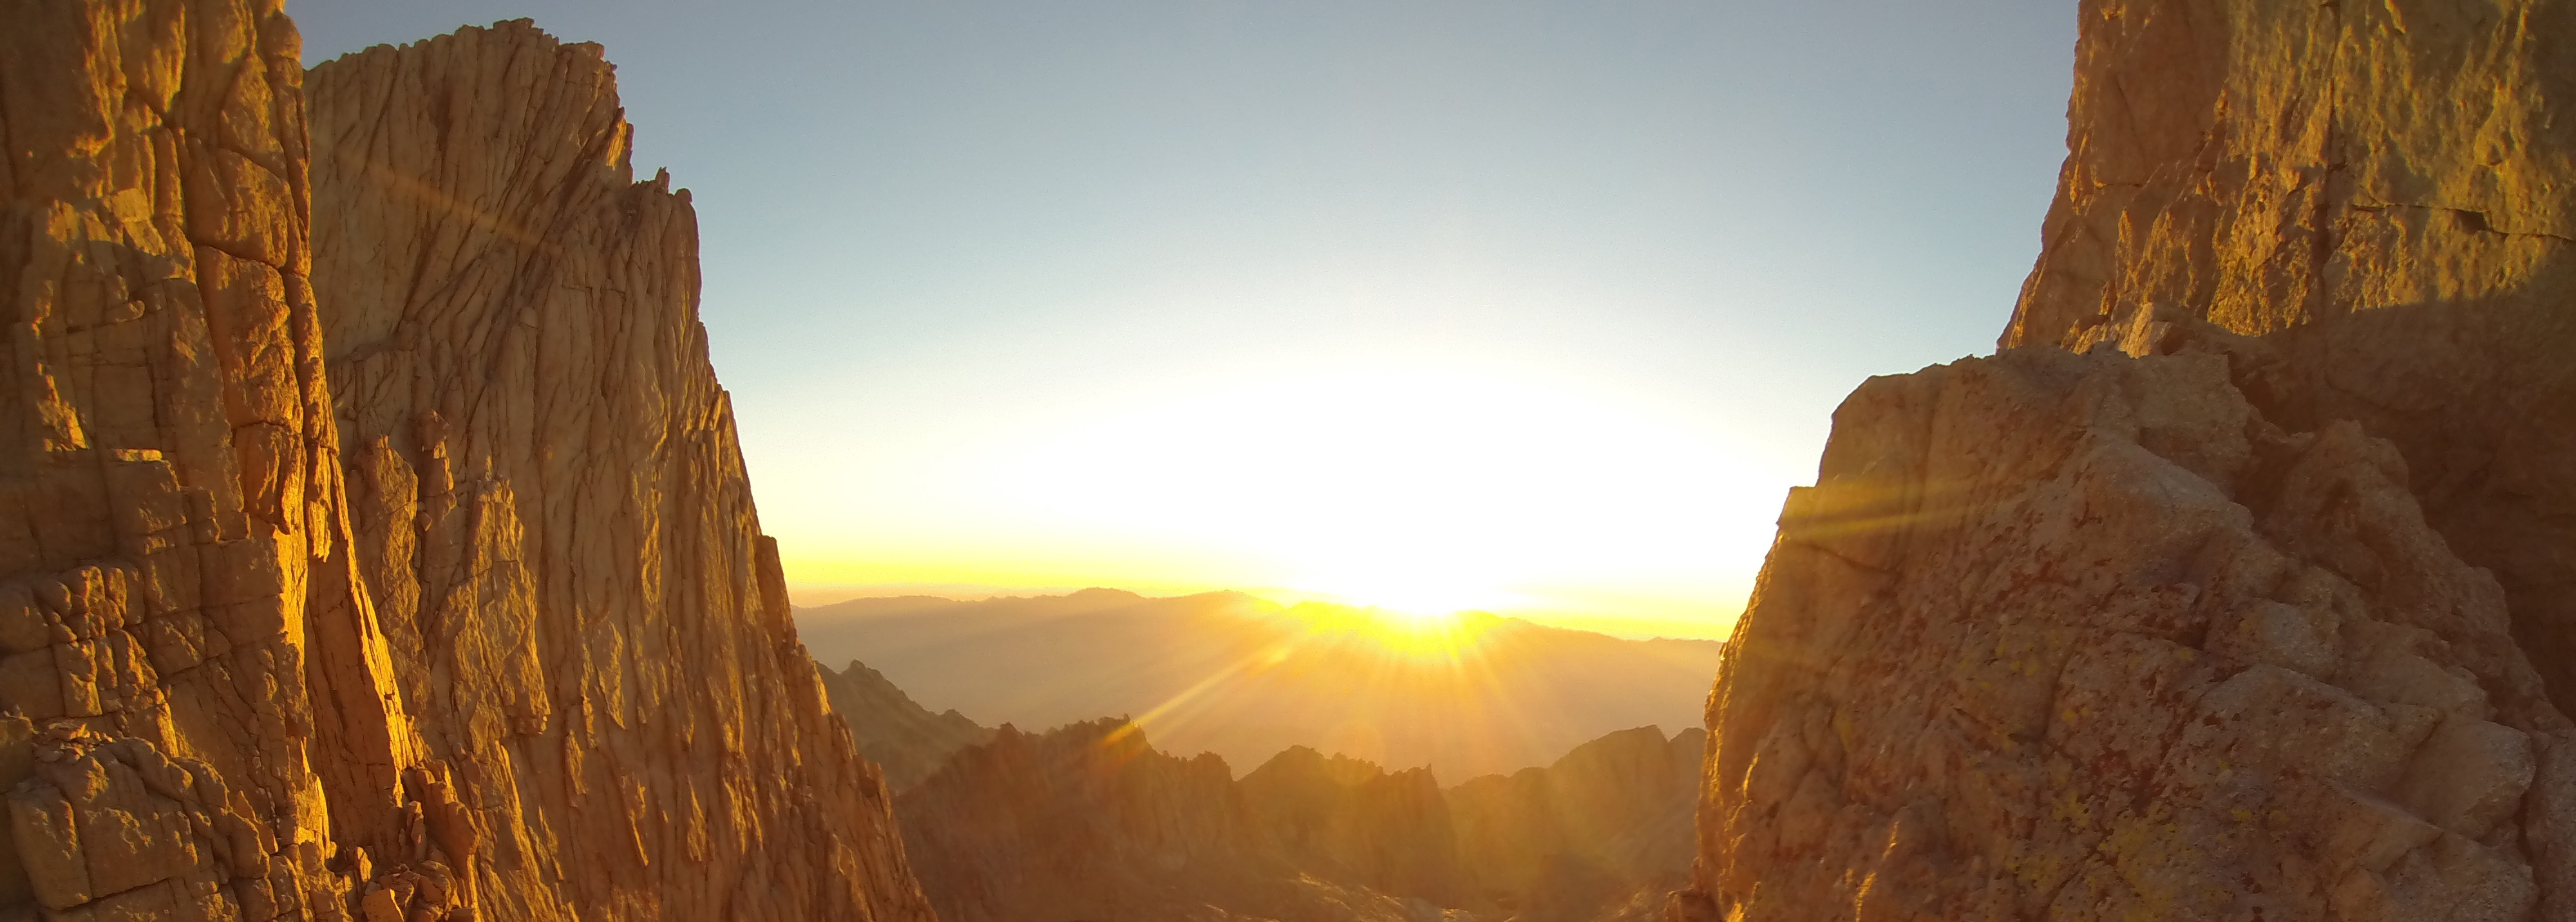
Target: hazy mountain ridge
1245	678
904	739
1091	821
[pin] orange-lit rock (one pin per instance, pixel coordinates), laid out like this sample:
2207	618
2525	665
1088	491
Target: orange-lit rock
2260	608
2087	637
2388	190
531	664
202	720
577	601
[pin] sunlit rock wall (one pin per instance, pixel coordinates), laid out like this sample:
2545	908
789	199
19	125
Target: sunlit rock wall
535	663
2390	189
199	711
2265	606
2066	636
546	488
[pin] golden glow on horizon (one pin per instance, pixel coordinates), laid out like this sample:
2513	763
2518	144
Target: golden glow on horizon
1418	489
1404	655
1416	634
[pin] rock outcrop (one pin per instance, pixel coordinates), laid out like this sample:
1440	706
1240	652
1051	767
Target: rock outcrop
200	718
2386	193
398	565
581	612
903	739
2086	637
2239	584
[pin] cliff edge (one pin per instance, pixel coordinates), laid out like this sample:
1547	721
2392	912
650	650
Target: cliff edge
398	564
2385	194
2238	584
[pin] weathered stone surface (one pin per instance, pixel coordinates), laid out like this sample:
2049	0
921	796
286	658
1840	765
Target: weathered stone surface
577	601
2276	620
2388	190
175	586
902	738
2087	637
201	715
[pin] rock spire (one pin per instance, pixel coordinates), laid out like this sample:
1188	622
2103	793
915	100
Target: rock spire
373	538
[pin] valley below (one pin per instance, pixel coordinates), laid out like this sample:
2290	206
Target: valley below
1106	818
377	545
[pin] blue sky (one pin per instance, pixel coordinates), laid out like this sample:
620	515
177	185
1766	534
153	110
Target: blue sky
1536	307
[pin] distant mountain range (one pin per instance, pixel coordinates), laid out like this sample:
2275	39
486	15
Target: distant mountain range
903	738
1090	821
1246	678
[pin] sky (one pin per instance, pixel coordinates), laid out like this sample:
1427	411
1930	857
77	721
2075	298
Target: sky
1537	308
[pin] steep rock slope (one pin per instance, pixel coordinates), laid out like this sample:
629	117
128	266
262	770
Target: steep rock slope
2086	637
2387	188
196	708
581	613
902	738
1603	833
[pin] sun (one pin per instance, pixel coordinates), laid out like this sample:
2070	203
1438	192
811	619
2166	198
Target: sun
1414	634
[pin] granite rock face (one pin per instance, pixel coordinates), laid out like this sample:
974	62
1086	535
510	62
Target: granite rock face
2386	194
579	608
197	707
2242	583
535	661
2088	637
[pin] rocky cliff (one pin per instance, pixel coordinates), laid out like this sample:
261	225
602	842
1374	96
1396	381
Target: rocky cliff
397	564
2386	194
2256	608
201	711
2087	637
900	737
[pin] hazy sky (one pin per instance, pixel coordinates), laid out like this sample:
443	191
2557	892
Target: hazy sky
1530	307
